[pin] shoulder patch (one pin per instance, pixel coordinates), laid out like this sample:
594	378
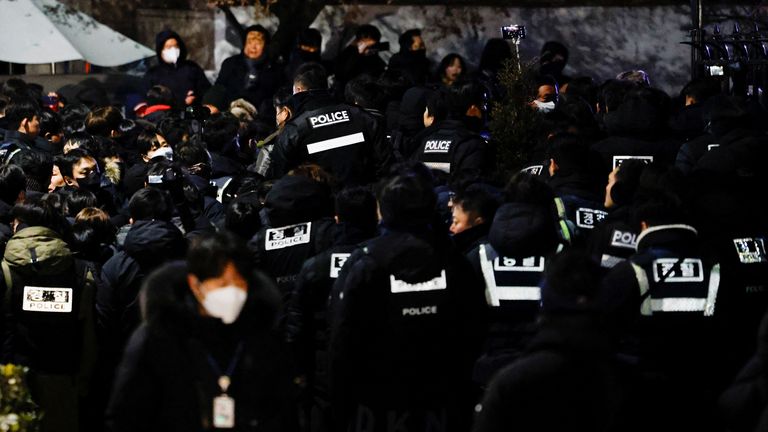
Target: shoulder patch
47	299
337	262
287	236
529	264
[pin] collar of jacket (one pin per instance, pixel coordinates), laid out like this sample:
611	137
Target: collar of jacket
662	233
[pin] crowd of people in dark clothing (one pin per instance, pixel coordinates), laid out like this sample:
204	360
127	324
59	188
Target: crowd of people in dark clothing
314	245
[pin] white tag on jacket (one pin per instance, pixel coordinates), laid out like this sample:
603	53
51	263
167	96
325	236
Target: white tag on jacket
689	270
223	412
529	264
587	218
618	160
751	250
287	236
46	299
398	286
437	146
533	169
624	239
337	262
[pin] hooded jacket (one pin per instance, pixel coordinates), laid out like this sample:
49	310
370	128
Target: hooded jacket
253	80
300	227
406	322
49	322
181	77
511	263
147	245
635	129
45	329
167	381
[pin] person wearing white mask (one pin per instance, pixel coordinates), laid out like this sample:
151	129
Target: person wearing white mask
184	77
208	355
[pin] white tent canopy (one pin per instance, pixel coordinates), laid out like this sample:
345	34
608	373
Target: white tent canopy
46	31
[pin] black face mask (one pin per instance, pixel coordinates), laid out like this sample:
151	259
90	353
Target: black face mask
91	182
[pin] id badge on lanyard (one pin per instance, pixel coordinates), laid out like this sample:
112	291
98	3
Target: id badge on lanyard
224	405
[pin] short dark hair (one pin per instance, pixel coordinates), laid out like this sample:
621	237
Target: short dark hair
38	212
257	28
310	37
702	88
69	160
220	130
84	141
663	208
50	122
79	199
102	121
190	154
406	200
530	189
146	141
73	117
571	284
569	153
173	129
363	91
368	31
150	203
437	106
160	95
37	167
611	94
311	76
478	199
208	255
406	39
12	182
356	206
20	108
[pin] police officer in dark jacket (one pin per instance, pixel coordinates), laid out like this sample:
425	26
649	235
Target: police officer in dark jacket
573	183
208	355
184	77
307	321
671	288
406	322
344	140
637	130
22	118
453	147
569	376
250	74
615	239
299	211
523	235
47	311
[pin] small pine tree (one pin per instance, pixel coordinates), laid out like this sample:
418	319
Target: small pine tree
18	413
515	125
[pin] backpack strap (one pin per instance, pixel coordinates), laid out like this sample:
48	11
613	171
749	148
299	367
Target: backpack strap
8	281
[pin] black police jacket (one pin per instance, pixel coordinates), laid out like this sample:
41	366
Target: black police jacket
344	140
406	324
453	148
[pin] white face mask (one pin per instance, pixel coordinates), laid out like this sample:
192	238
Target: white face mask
170	55
165	152
225	303
544	106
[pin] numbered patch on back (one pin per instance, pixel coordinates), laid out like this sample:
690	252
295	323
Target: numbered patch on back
337	262
47	299
287	236
751	250
587	218
529	264
618	160
687	270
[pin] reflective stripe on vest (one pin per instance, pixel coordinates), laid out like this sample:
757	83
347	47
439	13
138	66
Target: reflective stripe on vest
678	304
495	293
